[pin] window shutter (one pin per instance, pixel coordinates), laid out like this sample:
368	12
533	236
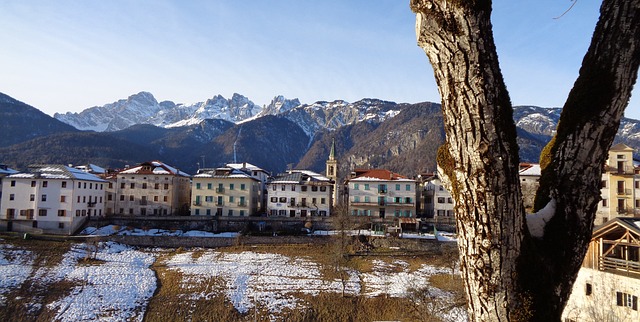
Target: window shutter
619	298
635	303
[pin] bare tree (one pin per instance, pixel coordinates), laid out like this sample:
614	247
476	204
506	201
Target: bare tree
519	267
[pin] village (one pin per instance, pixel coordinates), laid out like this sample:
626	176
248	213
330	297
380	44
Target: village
62	200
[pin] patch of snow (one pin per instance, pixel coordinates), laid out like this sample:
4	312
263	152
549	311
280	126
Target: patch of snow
117	290
15	266
537	221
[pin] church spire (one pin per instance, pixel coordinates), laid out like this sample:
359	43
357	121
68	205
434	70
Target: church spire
332	152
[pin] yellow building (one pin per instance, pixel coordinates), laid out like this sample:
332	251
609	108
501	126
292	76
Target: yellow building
620	186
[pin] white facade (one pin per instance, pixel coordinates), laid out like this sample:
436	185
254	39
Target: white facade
225	192
300	193
257	173
381	193
50	199
437	201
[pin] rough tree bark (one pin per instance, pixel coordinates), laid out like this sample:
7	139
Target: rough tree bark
513	273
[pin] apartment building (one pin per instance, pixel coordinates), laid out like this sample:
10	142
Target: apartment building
256	173
226	191
381	193
149	189
50	199
620	185
300	193
437	202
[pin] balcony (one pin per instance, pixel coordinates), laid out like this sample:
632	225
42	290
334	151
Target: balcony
364	203
143	202
622	192
220	204
623	210
624	170
401	204
219	190
91	204
616	264
302	204
382	191
197	203
242	203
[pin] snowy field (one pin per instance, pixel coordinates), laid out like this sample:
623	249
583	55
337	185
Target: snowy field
113	282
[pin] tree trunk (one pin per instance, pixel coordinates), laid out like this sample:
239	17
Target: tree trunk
509	274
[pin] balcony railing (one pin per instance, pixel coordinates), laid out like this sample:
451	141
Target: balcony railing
220	190
242	203
623	210
143	202
627	192
91	204
624	170
302	204
364	203
608	263
219	203
197	203
401	204
382	191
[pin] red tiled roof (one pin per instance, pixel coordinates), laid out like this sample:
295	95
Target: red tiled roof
381	174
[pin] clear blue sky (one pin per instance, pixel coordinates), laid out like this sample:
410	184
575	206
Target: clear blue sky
65	55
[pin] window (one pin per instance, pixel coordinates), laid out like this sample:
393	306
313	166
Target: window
109	197
397	186
314	188
13	183
156	186
84	199
84	186
323	188
283	199
45	184
11	213
303	188
42	212
243	186
241	213
231	186
165	199
33	183
605	203
273	187
131	198
61	225
323	201
64	184
208	198
63	198
132	185
61	213
209	185
230	212
130	211
32	197
274	199
144	185
637	184
122	185
197	212
44	197
166	186
91	185
408	187
366	186
282	187
293	188
449	200
121	197
588	289
620	156
356	186
12	196
440	188
366	199
627	300
314	201
198	185
156	198
231	198
440	199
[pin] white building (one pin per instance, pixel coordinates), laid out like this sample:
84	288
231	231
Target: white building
529	183
300	193
50	199
4	171
225	192
381	193
608	284
436	200
149	189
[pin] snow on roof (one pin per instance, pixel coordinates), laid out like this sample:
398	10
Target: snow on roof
299	176
56	171
533	170
154	167
245	165
378	175
6	170
223	173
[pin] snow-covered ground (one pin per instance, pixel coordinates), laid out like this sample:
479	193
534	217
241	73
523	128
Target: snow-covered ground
125	231
15	266
117	283
117	290
272	280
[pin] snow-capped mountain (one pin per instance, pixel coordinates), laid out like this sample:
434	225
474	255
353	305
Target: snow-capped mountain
143	108
333	115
